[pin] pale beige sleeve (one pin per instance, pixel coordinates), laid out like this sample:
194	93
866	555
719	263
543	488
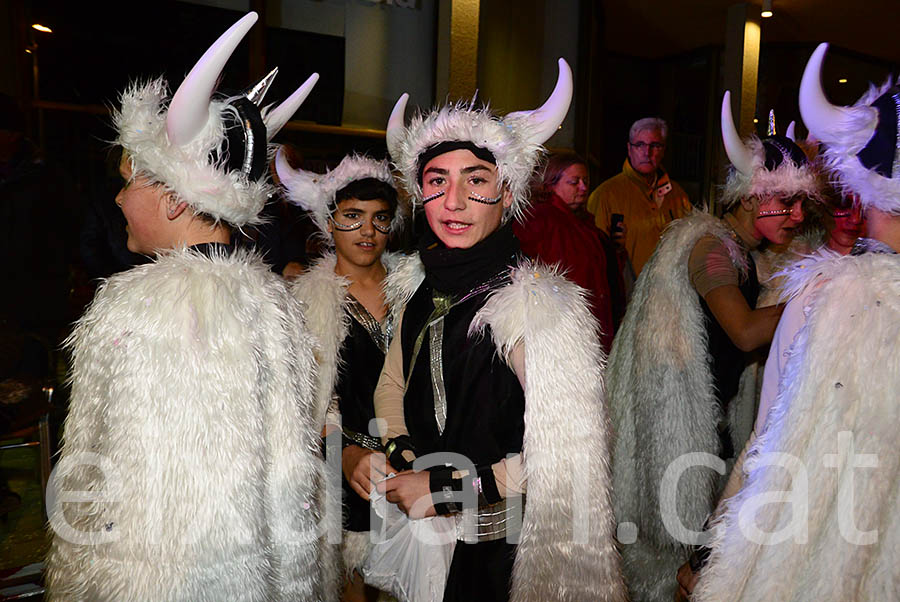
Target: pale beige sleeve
510	472
390	388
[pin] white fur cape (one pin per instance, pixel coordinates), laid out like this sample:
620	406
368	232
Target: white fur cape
192	391
662	405
567	551
324	295
841	381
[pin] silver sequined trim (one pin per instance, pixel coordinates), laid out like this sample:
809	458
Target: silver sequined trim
249	146
381	336
436	344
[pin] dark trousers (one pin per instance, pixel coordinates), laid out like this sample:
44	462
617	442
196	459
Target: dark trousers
480	572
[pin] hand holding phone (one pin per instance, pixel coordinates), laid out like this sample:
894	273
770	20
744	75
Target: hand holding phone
617	229
615	224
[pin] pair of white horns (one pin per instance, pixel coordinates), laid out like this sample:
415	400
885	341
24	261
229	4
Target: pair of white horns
738	153
189	109
545	120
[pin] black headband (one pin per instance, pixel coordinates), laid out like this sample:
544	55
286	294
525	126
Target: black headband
778	149
449	146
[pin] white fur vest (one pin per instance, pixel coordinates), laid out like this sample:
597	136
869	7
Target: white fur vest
834	425
567	551
324	295
192	397
663	405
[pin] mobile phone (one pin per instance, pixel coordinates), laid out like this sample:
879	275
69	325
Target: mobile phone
615	224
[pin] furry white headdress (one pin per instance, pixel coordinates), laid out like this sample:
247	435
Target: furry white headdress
316	192
212	153
514	140
772	165
862	141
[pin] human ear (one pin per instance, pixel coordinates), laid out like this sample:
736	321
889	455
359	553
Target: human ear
174	207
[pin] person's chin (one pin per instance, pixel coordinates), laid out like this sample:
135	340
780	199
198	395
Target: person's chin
786	235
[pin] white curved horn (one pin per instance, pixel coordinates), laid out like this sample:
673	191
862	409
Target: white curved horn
395	126
189	109
789	132
280	115
819	115
548	117
738	153
300	185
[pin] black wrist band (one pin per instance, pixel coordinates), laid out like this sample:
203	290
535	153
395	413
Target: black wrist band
443	487
394	452
489	485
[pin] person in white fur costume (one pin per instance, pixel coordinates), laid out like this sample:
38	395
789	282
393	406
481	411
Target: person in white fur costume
355	207
189	469
677	359
827	446
497	367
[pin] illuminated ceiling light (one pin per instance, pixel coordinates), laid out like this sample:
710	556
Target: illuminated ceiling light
28	50
755	120
766	9
843	80
43	28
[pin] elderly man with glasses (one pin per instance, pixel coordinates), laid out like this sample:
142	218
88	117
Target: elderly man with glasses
643	194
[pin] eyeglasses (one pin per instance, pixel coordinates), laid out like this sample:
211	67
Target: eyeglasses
654	146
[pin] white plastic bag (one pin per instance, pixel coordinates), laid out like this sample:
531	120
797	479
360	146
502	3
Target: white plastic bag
410	558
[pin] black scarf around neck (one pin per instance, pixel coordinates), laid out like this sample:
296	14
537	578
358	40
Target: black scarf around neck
457	271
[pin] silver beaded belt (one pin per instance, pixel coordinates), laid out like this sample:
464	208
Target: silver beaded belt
491	522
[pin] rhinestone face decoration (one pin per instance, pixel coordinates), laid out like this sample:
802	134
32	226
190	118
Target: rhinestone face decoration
474	196
347	227
773	213
434	196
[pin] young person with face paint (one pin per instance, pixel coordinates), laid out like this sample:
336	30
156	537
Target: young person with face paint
496	367
192	386
834	410
355	208
679	354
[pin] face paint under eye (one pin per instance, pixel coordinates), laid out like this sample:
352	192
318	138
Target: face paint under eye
346	227
474	196
774	212
434	196
383	228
